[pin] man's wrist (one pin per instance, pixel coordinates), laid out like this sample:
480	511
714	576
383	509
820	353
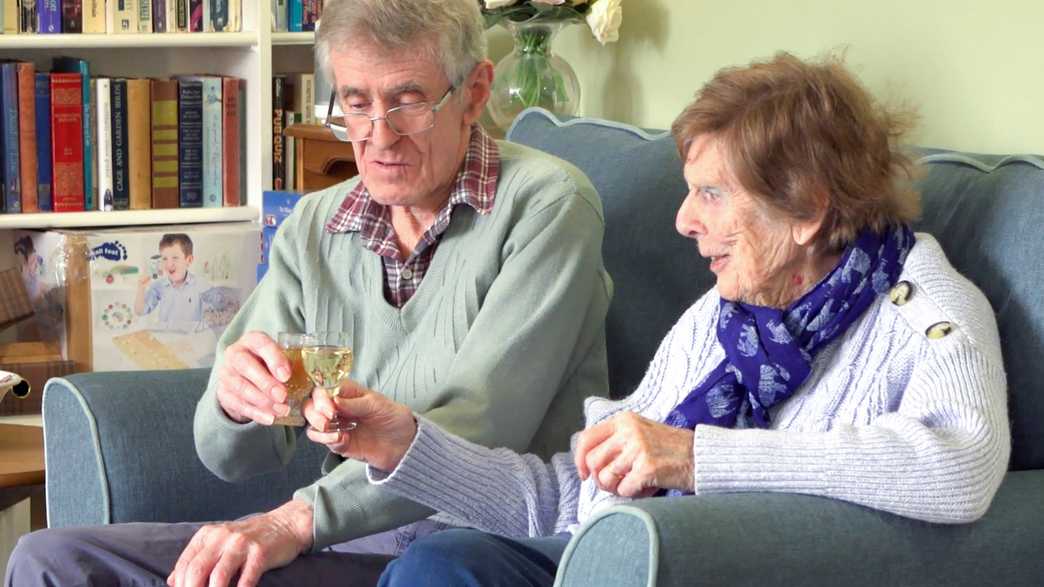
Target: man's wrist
299	515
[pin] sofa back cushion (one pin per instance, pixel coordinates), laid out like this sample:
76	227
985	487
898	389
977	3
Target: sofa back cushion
987	211
656	272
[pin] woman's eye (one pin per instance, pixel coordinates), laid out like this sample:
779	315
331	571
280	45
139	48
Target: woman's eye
709	193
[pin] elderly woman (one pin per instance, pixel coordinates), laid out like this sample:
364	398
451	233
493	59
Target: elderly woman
796	373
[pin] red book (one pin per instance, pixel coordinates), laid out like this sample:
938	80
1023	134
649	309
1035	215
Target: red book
231	145
27	135
67	141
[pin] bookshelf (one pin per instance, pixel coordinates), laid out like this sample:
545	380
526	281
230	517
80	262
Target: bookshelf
253	54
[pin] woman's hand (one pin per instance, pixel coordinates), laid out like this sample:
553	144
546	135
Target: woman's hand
385	428
633	456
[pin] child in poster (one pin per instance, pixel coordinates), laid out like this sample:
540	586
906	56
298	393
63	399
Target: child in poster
172	291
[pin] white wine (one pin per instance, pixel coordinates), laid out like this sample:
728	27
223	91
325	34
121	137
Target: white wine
327	366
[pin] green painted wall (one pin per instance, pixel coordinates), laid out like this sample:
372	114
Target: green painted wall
974	69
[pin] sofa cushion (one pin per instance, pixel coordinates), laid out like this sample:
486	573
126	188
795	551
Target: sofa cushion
987	211
656	272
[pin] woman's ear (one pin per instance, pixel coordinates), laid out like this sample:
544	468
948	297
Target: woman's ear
805	232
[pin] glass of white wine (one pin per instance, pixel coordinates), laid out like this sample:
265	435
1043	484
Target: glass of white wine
328	361
298	387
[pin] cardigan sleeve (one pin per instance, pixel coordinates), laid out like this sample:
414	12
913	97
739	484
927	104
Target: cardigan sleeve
493	489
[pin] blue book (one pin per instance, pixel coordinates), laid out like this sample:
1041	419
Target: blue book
74	65
50	14
190	143
43	143
9	139
120	156
275	207
296	15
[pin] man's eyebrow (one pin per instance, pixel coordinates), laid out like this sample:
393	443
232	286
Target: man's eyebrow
392	92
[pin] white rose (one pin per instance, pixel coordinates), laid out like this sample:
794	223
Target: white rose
492	4
604	18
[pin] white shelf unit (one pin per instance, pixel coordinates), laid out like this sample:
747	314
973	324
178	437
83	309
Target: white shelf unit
253	54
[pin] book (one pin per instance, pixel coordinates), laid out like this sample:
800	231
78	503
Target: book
67	141
278	163
93	197
310	13
290	153
212	142
144	16
139	143
75	65
103	102
190	143
230	129
27	135
304	96
159	16
182	9
235	15
171	7
195	16
125	16
296	8
164	143
72	16
28	16
10	12
217	15
241	85
120	164
9	147
50	16
93	16
280	16
43	142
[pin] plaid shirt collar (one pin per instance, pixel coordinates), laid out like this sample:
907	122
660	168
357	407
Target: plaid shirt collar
475	185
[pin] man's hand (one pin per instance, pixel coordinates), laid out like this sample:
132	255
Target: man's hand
250	381
633	456
385	428
249	547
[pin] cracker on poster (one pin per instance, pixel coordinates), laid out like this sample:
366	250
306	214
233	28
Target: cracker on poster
147	352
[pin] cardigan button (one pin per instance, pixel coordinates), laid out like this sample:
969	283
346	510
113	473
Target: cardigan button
900	294
939	330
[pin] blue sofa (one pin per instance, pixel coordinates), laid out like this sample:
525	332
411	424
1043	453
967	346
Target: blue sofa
119	445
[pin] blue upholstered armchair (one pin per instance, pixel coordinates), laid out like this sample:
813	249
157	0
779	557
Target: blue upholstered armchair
119	445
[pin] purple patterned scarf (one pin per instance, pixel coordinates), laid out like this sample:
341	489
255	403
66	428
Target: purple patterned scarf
768	351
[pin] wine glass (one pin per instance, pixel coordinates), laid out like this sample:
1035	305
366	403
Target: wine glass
328	361
298	387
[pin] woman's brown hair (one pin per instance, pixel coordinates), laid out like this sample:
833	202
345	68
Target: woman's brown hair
798	135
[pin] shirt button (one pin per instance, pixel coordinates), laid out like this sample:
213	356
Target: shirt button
900	294
939	330
406	273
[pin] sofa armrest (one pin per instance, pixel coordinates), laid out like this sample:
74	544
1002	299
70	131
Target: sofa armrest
780	539
119	448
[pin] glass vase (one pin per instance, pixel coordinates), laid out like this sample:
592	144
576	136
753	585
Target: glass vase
532	75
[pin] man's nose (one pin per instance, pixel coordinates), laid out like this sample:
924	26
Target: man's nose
383	136
688	222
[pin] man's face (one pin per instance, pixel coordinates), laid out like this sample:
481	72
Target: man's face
175	263
413	170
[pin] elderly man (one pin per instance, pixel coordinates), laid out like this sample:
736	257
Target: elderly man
465	273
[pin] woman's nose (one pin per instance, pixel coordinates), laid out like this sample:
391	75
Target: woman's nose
688	222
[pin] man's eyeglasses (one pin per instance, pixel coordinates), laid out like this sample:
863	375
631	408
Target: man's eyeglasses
403	120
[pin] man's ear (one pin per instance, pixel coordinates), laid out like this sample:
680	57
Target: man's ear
477	88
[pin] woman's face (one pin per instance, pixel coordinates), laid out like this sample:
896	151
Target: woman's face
753	253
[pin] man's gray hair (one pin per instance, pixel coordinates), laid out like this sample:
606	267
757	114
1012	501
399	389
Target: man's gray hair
451	32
